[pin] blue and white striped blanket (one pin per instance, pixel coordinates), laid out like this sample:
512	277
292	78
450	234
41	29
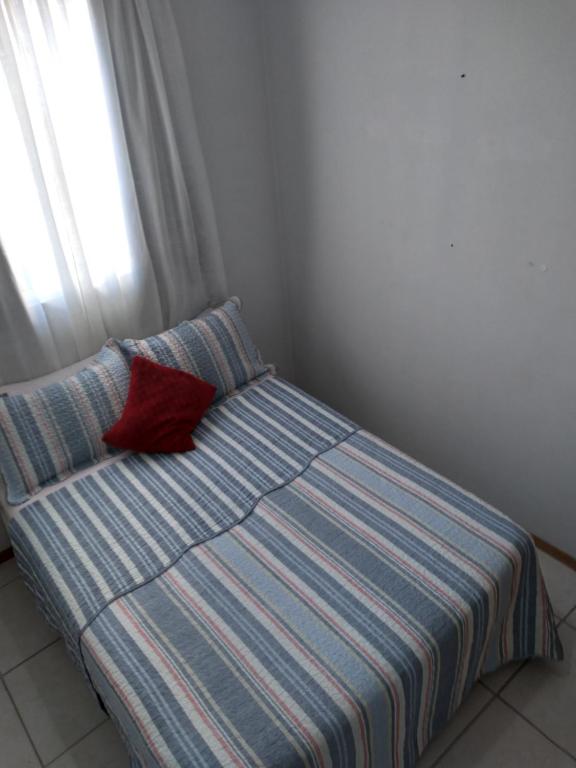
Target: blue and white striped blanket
295	592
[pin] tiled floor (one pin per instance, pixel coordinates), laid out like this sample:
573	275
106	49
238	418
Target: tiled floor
522	716
47	714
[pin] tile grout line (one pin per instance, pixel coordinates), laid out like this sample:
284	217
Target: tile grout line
496	696
564	619
8	583
489	703
15	707
536	728
11	581
75	743
523	664
32	656
564	622
517	712
22	723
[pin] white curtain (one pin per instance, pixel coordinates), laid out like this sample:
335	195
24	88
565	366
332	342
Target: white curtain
106	220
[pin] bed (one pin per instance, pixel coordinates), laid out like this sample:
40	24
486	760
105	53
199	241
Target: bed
294	592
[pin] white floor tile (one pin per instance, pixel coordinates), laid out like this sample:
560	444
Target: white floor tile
23	631
103	748
16	751
495	681
54	701
561	584
545	693
500	738
8	572
474	704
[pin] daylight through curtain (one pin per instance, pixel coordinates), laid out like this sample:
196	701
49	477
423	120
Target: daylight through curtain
106	220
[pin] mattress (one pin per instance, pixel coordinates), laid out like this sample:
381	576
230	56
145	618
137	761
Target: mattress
294	592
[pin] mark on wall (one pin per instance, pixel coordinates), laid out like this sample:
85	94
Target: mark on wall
542	267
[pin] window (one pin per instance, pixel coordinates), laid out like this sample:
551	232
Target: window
61	214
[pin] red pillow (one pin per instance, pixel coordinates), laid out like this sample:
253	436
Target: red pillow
164	405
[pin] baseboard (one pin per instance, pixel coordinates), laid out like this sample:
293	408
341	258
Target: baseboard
557	554
6	554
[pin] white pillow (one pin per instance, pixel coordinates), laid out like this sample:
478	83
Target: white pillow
23	387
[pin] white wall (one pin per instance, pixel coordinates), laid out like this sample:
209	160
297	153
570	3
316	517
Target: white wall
222	45
463	355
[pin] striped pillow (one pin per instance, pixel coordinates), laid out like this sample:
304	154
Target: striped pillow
48	434
215	347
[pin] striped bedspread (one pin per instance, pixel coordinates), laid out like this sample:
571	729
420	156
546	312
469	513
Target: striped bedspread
294	593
